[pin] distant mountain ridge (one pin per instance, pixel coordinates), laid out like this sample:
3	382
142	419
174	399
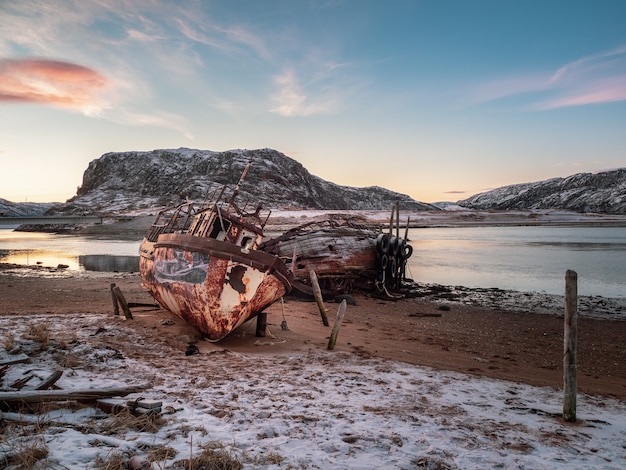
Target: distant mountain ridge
22	209
126	181
603	192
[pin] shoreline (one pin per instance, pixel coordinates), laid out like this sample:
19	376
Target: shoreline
590	306
134	226
500	338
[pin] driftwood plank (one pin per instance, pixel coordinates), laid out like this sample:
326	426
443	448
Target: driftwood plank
40	396
14	359
50	381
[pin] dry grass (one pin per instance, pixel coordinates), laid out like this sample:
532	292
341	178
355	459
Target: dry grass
113	461
70	361
25	455
213	456
8	341
38	332
161	454
125	421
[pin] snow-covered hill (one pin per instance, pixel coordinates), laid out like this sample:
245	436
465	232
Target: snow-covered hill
603	192
21	209
130	181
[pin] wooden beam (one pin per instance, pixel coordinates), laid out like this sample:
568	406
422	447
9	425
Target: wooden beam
317	293
333	335
42	396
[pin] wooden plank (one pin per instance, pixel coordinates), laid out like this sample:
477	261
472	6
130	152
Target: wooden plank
14	359
42	396
50	381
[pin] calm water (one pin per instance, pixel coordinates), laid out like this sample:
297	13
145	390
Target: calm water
530	259
79	253
518	258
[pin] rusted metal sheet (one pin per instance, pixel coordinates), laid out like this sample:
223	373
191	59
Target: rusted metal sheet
202	264
212	293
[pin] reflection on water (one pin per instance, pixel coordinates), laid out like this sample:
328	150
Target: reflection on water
528	259
39	257
77	252
110	263
100	263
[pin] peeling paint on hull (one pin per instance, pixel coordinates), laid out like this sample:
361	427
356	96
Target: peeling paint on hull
212	285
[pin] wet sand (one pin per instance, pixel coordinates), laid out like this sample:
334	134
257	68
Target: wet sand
501	342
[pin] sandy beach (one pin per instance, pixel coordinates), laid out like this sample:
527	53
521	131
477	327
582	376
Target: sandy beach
438	329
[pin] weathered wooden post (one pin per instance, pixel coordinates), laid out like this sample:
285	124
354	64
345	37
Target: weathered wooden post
116	308
122	301
317	293
398	219
261	324
569	346
333	335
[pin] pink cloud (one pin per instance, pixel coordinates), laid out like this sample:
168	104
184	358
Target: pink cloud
52	82
601	91
598	78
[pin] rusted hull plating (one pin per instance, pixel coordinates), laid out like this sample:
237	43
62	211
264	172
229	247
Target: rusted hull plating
208	284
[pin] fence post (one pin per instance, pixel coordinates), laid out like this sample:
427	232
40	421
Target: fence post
569	346
317	293
333	335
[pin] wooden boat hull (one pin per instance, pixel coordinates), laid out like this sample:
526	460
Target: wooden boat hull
213	285
342	257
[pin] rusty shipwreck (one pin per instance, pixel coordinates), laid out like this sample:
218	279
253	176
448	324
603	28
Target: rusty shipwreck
344	254
210	264
202	263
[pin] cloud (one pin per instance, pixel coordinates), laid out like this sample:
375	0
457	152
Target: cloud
319	96
455	192
53	82
599	91
594	79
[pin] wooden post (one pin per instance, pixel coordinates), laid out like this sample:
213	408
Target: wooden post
122	301
116	308
569	346
317	293
398	219
333	335
261	324
406	229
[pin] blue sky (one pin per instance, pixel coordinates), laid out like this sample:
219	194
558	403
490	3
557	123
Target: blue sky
437	99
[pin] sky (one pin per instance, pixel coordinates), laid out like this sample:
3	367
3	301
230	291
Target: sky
437	99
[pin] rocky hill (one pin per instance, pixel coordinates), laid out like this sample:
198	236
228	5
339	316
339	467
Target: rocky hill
126	181
21	209
603	192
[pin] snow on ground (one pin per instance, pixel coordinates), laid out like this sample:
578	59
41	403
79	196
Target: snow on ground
310	410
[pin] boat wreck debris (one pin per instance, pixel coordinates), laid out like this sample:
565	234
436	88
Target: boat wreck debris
345	255
210	265
202	263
